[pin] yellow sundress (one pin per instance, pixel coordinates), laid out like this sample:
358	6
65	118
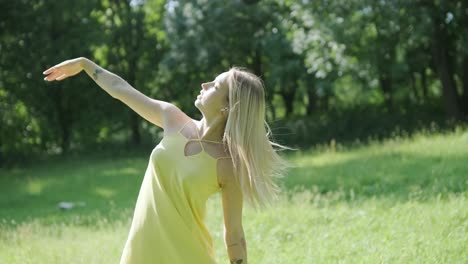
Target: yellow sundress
168	222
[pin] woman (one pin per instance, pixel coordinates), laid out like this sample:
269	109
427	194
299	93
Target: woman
228	150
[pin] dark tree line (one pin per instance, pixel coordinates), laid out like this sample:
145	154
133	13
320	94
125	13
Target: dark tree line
320	60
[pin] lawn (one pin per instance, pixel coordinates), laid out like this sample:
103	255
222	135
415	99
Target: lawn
404	200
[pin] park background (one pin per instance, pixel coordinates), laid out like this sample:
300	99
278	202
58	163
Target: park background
373	94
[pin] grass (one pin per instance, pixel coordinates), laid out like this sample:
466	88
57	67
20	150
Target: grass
404	200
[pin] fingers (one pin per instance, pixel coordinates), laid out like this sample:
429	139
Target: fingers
52	70
49	70
56	72
53	76
61	77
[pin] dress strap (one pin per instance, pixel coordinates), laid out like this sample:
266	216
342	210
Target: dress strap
183	126
200	140
227	157
217	142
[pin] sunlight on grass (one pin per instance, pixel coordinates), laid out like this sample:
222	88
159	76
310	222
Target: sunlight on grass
104	192
35	186
128	170
62	243
312	228
328	158
308	228
396	167
403	200
421	144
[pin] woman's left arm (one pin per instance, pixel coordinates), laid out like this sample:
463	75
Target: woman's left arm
232	208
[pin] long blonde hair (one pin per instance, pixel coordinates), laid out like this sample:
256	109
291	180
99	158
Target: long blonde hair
248	136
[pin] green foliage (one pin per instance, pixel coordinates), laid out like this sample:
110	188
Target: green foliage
320	60
36	35
361	123
17	126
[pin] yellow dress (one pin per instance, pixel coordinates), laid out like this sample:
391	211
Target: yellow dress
168	221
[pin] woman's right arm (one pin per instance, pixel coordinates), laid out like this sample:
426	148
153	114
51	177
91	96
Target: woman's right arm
155	111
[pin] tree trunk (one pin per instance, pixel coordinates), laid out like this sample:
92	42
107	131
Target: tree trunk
464	99
257	62
133	42
257	68
65	127
288	99
312	96
288	93
63	119
270	108
385	57
386	85
134	118
413	86
62	110
441	45
135	128
424	83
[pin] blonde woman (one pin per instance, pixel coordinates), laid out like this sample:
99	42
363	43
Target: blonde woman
228	150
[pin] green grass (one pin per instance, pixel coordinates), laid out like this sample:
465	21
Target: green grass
401	201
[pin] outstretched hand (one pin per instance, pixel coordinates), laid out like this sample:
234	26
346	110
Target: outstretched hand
63	70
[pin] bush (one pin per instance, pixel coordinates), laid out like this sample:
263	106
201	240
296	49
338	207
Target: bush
361	124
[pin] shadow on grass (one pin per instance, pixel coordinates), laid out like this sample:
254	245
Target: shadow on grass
107	187
395	176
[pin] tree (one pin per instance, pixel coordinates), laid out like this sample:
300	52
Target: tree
36	35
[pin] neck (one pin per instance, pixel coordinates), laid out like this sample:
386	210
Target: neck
212	127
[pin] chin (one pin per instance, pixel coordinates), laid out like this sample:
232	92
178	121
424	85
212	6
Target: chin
197	103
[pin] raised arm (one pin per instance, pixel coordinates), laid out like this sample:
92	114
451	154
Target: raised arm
158	112
234	237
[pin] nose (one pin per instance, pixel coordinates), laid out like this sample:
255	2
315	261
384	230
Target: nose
203	85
